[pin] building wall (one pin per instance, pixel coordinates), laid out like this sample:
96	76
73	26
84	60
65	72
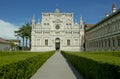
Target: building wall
4	46
104	36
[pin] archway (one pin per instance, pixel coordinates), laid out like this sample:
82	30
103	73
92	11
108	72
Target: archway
57	44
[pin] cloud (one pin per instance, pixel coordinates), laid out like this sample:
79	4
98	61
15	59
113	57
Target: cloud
7	30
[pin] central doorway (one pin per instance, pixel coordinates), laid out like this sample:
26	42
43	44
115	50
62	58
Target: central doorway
57	43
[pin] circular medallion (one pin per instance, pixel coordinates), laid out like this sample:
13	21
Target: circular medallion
57	26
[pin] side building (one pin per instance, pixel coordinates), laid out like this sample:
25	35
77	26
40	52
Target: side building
105	35
4	45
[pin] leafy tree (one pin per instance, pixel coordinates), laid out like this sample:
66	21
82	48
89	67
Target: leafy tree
13	46
25	33
20	34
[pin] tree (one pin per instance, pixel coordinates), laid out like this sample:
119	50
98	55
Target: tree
25	33
20	33
13	46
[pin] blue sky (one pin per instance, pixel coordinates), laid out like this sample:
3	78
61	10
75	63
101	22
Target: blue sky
19	12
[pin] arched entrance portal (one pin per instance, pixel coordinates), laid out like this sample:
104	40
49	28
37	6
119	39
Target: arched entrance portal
57	44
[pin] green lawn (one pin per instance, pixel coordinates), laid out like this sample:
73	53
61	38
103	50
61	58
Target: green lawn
21	65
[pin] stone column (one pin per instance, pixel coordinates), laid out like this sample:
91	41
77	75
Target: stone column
118	40
104	44
107	47
116	43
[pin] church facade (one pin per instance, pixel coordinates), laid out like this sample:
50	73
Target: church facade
57	31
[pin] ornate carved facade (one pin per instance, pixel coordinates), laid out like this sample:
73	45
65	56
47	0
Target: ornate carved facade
57	31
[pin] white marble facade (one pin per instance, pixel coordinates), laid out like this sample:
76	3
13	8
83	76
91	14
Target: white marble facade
57	31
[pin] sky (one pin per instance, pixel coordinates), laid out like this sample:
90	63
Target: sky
15	13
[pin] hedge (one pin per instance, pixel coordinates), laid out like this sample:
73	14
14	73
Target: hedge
21	65
96	65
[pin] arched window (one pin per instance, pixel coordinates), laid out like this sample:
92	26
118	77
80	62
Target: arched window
68	42
46	42
118	42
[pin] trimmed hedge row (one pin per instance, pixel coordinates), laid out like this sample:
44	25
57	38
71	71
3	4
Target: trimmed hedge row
21	66
95	65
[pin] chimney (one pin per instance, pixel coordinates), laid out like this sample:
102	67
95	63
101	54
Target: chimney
114	8
106	14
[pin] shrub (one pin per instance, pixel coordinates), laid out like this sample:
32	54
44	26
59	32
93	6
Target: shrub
95	65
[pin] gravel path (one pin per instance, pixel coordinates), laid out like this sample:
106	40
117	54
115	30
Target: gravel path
57	67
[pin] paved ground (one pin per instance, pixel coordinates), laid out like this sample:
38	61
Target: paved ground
57	68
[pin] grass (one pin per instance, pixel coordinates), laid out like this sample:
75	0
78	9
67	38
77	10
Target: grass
21	65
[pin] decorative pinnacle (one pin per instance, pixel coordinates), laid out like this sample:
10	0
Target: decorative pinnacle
81	21
33	17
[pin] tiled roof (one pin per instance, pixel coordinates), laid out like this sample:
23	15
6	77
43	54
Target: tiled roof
13	40
87	26
3	40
